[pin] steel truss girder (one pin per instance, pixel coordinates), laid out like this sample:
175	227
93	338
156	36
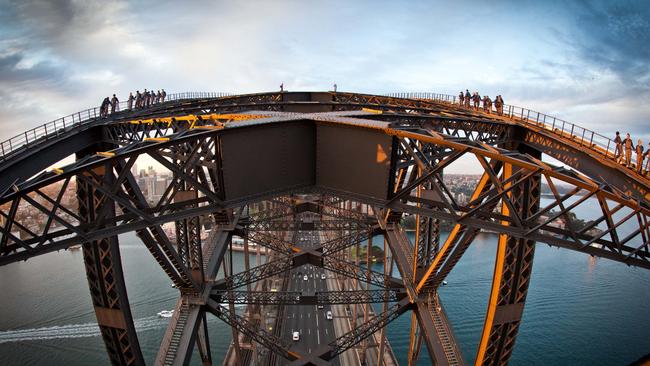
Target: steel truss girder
321	225
433	324
268	240
106	280
178	342
259	335
512	272
355	336
286	263
255	274
300	298
188	327
475	129
458	240
345	241
436	331
154	236
446	209
351	270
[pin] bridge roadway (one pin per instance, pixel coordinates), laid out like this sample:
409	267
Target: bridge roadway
311	322
308	320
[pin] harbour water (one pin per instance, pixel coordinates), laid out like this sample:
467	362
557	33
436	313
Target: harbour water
580	310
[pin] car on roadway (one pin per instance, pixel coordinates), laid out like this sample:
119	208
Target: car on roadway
295	336
329	315
305	278
322	276
320	306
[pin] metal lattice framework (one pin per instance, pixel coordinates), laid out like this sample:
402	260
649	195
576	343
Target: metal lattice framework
270	167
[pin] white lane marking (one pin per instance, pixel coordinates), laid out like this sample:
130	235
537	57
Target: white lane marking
318	336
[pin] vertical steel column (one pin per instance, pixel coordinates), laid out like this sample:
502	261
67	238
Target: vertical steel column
388	271
428	237
188	238
105	277
251	309
227	271
366	307
512	272
419	246
203	341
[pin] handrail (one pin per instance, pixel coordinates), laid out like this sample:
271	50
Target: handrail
584	137
54	128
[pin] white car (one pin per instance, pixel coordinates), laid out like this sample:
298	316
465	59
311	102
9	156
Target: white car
296	336
320	306
305	278
329	315
322	276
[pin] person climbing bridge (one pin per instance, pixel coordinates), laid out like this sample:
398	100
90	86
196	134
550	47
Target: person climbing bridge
115	104
103	109
628	150
639	156
477	100
618	152
129	101
647	156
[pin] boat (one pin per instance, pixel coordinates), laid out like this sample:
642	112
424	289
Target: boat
166	314
444	283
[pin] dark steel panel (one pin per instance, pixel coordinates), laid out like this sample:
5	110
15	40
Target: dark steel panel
267	158
353	160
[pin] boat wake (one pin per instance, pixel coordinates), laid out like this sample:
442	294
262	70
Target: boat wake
83	330
73	330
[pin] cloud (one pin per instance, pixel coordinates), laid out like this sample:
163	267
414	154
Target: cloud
571	60
16	69
615	35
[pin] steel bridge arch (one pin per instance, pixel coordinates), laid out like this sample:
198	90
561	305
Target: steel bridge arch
311	143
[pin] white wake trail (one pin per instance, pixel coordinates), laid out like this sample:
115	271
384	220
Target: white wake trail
73	330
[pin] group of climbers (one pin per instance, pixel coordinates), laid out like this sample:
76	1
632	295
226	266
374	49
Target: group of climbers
465	99
139	100
623	153
624	147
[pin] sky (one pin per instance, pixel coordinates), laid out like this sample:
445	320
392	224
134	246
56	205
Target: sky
587	62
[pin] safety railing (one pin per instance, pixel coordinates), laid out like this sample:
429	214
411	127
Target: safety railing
197	95
55	128
584	137
424	95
